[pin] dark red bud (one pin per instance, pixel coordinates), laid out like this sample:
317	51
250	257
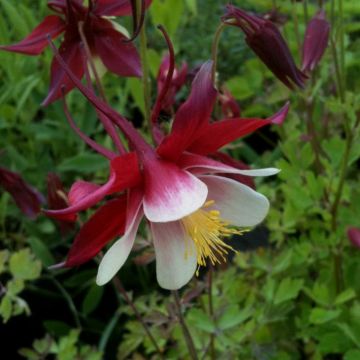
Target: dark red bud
316	41
354	236
26	197
265	39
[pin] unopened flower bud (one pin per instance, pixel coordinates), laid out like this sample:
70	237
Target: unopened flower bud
265	39
315	42
354	236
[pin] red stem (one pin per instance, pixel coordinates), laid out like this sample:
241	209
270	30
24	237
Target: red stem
138	143
168	80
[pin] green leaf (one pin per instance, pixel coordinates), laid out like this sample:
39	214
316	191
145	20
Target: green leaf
322	316
349	333
201	320
192	6
168	13
15	18
283	261
56	327
353	354
15	286
41	251
29	354
233	316
80	278
84	163
288	290
240	88
92	299
345	296
6	308
23	266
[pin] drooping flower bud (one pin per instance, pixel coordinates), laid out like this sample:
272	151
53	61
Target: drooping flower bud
25	196
265	39
354	236
315	42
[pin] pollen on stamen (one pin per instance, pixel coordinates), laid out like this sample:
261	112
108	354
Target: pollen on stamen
207	229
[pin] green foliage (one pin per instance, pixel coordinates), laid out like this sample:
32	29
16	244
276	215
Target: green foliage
290	300
22	267
64	348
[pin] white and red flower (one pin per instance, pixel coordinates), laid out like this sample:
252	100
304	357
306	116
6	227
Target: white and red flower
189	205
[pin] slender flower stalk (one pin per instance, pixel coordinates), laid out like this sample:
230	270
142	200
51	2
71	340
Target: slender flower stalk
215	49
186	332
146	72
120	288
211	311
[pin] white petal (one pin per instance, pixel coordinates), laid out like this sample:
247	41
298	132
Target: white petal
116	256
238	204
198	164
170	192
176	259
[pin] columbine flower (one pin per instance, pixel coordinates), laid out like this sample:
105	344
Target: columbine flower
26	197
316	41
177	81
190	207
264	38
105	41
354	236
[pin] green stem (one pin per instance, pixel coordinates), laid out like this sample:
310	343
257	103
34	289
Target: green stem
296	25
342	44
314	141
211	312
338	272
188	338
146	73
306	12
339	84
68	299
120	288
215	49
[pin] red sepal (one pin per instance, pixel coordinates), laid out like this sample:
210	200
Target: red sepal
124	174
118	56
107	223
192	117
37	41
218	134
70	52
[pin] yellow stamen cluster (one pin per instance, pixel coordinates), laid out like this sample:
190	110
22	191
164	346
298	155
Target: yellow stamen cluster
207	229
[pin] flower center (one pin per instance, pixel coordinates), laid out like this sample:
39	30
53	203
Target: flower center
207	229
